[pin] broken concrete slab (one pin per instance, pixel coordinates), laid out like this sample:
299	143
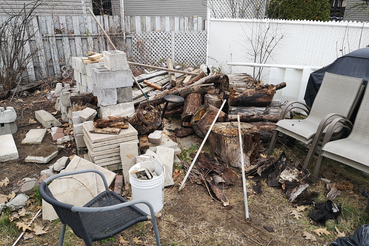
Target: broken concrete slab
8	148
60	164
47	172
122	109
166	156
17	202
46	119
166	142
41	159
64	139
8	128
96	138
34	136
155	137
76	189
128	152
88	114
7	115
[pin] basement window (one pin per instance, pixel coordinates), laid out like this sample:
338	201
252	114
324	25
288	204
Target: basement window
102	7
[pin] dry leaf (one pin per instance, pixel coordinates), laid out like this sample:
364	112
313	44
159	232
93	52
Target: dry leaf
296	214
339	233
309	236
32	121
20	213
123	242
23	227
39	229
19	100
263	156
176	173
3	198
54	113
4	182
27	236
137	240
321	231
37	93
301	208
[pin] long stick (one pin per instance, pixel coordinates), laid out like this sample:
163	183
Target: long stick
141	90
202	145
243	169
161	68
102	29
30	223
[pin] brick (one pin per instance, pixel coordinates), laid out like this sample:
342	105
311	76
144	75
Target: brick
105	79
115	60
118	184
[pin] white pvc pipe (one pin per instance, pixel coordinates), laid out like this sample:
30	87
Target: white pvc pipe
202	145
243	169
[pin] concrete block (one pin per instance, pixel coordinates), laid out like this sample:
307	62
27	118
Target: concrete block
80	142
57	104
124	94
34	136
90	84
165	142
65	98
90	66
7	115
47	172
77	77
122	109
46	119
41	159
80	66
166	156
8	148
115	60
74	62
128	152
88	114
105	97
75	118
105	139
79	189
155	137
84	80
77	128
105	79
8	128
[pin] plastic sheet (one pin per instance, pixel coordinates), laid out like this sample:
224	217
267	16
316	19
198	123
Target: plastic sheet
360	238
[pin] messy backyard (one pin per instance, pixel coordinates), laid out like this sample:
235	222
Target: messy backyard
110	112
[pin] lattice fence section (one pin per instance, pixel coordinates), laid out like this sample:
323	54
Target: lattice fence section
155	47
190	48
237	9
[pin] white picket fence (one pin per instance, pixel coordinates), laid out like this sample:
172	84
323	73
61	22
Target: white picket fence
58	38
304	46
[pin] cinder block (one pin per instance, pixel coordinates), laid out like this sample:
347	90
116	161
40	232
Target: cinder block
106	97
46	119
90	66
80	66
124	94
74	62
7	115
115	60
8	128
90	84
80	142
77	77
57	104
105	79
75	118
65	99
122	109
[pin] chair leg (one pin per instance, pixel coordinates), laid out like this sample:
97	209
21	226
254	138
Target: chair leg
272	143
62	233
317	169
156	231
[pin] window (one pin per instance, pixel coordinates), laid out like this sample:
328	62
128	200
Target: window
102	7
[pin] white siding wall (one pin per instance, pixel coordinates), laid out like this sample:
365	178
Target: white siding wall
356	10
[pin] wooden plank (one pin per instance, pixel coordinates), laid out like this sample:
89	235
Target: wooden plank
100	38
147	24
90	40
106	28
176	24
77	38
167	24
53	48
137	24
186	24
157	23
199	24
65	40
39	46
195	26
30	66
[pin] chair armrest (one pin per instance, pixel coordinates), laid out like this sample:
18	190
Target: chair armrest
113	207
292	105
78	172
336	123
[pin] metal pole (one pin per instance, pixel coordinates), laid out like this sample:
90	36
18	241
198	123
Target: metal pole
202	145
98	23
243	169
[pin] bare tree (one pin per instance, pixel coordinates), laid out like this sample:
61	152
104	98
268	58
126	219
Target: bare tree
14	36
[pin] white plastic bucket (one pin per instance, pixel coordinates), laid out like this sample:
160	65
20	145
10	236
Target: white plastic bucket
151	190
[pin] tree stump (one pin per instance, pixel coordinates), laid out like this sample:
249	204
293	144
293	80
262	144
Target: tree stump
203	118
224	143
192	103
146	120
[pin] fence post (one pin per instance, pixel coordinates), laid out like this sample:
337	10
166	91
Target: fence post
173	45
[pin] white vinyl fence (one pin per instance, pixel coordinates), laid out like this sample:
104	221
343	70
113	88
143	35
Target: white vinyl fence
303	46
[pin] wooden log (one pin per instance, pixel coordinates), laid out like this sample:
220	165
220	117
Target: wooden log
172	78
183	132
143	143
146	120
106	130
153	85
193	80
252	114
241	80
175	111
192	103
113	121
224	142
214	100
252	97
203	118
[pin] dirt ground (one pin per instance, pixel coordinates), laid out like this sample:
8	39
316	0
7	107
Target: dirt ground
192	216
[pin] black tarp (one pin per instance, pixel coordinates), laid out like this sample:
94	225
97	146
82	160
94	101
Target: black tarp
354	64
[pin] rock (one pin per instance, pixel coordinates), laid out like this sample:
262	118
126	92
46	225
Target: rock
18	202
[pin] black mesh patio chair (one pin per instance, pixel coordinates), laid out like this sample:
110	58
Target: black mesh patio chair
104	216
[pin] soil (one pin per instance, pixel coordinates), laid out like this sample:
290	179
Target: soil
191	216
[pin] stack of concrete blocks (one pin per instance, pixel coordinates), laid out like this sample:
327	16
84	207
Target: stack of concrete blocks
79	118
113	85
104	149
7	120
63	103
84	82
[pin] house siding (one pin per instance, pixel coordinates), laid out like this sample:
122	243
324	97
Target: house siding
64	7
354	12
187	8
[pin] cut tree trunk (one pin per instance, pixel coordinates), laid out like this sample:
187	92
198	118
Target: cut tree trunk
146	120
252	97
204	117
224	142
192	103
193	80
175	111
251	114
113	121
214	100
183	132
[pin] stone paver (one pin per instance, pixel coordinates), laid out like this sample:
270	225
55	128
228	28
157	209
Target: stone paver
8	148
34	136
